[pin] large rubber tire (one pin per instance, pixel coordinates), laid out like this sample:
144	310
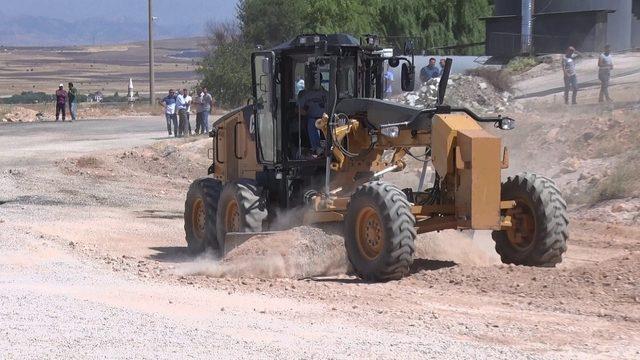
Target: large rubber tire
542	200
200	210
380	208
251	209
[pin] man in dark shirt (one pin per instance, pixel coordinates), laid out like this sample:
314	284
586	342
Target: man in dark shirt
73	101
61	102
430	71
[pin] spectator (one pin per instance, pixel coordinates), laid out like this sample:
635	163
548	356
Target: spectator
443	62
181	108
207	107
169	103
605	65
73	101
388	80
61	102
570	78
189	100
197	102
430	71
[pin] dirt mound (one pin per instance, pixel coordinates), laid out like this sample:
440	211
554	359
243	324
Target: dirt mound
175	159
20	114
462	91
96	111
298	253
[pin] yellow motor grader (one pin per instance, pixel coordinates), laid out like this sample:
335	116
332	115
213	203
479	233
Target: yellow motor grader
264	164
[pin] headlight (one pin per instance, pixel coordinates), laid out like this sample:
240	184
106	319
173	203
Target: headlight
507	124
391	131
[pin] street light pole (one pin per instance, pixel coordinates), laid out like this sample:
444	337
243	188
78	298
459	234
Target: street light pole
152	77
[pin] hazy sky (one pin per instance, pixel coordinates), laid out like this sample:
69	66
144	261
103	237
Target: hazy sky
192	13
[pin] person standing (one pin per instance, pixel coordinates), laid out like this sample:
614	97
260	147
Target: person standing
169	103
605	65
197	102
570	77
61	102
188	99
207	107
73	101
388	80
430	71
181	108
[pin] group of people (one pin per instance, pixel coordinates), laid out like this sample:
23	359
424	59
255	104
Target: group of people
605	66
177	110
64	97
431	70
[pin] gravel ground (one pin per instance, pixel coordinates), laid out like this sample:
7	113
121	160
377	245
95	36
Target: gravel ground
93	265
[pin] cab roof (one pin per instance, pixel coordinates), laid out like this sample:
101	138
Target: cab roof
311	40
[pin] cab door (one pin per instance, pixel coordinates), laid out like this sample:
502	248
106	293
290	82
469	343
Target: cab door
265	106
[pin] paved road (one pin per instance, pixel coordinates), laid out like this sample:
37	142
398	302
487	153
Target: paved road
44	142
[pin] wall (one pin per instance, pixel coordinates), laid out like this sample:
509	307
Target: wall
618	25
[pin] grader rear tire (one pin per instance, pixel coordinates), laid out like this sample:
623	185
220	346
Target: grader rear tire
380	232
539	233
200	210
240	210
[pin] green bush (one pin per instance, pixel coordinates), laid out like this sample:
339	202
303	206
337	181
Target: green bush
522	64
115	98
29	97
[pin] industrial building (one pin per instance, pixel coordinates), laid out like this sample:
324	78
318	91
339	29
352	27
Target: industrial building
549	26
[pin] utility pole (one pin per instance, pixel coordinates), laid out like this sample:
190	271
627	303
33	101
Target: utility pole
152	76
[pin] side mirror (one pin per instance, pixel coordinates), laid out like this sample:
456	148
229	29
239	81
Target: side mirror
266	66
407	80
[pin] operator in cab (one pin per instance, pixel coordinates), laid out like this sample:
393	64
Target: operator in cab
312	103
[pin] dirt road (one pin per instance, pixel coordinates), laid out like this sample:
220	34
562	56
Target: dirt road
93	264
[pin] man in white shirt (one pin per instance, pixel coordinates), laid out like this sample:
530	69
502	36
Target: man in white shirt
605	65
181	107
189	100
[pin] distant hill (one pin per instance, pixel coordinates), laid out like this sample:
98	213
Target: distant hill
27	30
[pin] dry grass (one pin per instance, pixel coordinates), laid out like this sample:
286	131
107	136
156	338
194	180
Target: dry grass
501	80
622	183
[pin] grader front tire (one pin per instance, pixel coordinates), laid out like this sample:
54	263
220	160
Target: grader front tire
380	232
539	233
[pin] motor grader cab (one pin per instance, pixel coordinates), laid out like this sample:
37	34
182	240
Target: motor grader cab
263	164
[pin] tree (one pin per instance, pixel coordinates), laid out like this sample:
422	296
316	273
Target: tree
357	17
430	23
271	22
226	69
433	23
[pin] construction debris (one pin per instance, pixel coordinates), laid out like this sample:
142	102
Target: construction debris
472	92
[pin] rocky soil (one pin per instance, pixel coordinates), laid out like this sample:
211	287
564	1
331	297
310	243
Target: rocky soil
93	261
